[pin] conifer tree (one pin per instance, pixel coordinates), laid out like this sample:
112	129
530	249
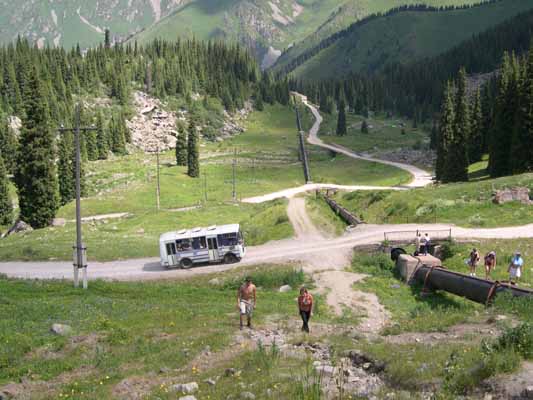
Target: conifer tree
119	142
445	132
8	146
259	106
193	151
475	141
91	141
434	136
457	152
181	145
504	120
364	127
6	207
341	120
102	141
522	145
35	173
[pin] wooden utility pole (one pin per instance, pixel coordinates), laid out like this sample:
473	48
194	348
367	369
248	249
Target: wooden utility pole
234	179
158	188
80	251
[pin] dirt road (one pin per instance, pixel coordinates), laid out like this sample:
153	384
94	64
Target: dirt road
421	178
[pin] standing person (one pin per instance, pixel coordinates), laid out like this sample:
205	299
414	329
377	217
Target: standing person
427	244
515	267
305	306
417	243
473	261
490	263
246	301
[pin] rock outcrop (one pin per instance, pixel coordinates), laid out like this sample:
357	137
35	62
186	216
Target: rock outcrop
520	194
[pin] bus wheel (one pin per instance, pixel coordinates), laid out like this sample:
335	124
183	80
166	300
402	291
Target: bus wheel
186	263
230	258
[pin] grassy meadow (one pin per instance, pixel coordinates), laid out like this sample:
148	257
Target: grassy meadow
466	204
150	335
267	161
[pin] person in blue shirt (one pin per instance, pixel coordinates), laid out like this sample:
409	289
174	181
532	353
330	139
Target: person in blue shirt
515	267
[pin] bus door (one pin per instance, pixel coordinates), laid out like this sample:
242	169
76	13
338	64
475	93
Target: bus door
212	245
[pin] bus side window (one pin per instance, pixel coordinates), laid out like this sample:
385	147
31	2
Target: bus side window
171	249
199	243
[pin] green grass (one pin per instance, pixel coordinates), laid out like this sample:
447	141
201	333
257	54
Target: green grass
465	204
267	162
405	37
128	330
385	133
324	217
410	310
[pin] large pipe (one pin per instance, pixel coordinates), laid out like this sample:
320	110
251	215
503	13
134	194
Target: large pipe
427	271
475	289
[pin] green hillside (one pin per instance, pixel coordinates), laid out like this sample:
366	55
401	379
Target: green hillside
404	37
349	12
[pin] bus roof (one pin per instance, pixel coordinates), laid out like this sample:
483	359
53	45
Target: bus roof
199	232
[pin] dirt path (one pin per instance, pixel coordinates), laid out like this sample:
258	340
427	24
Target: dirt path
421	178
304	229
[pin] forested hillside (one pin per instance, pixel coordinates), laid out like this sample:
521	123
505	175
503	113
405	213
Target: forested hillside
415	89
403	35
40	88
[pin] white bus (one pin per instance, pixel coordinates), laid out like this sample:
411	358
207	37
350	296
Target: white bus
201	245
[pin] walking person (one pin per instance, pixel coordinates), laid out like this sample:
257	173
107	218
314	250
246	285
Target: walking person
490	263
417	243
473	261
515	267
246	301
305	306
427	244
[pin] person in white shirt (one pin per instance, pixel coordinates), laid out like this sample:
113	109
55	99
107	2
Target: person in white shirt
515	267
427	244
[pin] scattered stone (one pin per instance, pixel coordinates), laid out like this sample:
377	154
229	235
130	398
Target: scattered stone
61	330
230	372
395	286
210	382
325	370
528	392
59	222
186	388
247	396
188	397
285	288
164	370
520	194
140	231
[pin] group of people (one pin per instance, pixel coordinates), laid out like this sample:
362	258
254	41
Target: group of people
247	297
514	269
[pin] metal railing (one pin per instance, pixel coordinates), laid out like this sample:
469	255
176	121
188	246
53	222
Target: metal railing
435	234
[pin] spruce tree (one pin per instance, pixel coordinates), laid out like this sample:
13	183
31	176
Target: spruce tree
193	151
364	127
8	146
434	136
6	207
91	141
504	120
35	173
181	145
445	132
119	142
457	152
102	141
66	168
475	141
341	120
522	148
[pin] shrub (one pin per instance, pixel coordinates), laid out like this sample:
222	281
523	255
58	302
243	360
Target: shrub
449	249
378	264
519	339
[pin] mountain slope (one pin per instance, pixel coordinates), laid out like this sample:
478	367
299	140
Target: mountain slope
69	22
403	36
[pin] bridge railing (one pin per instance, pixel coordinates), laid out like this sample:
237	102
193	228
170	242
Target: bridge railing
435	234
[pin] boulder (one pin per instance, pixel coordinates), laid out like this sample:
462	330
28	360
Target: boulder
186	388
188	397
285	288
214	282
59	222
520	194
247	396
528	392
61	330
19	226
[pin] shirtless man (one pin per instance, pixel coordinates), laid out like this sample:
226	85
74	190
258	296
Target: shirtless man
246	299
